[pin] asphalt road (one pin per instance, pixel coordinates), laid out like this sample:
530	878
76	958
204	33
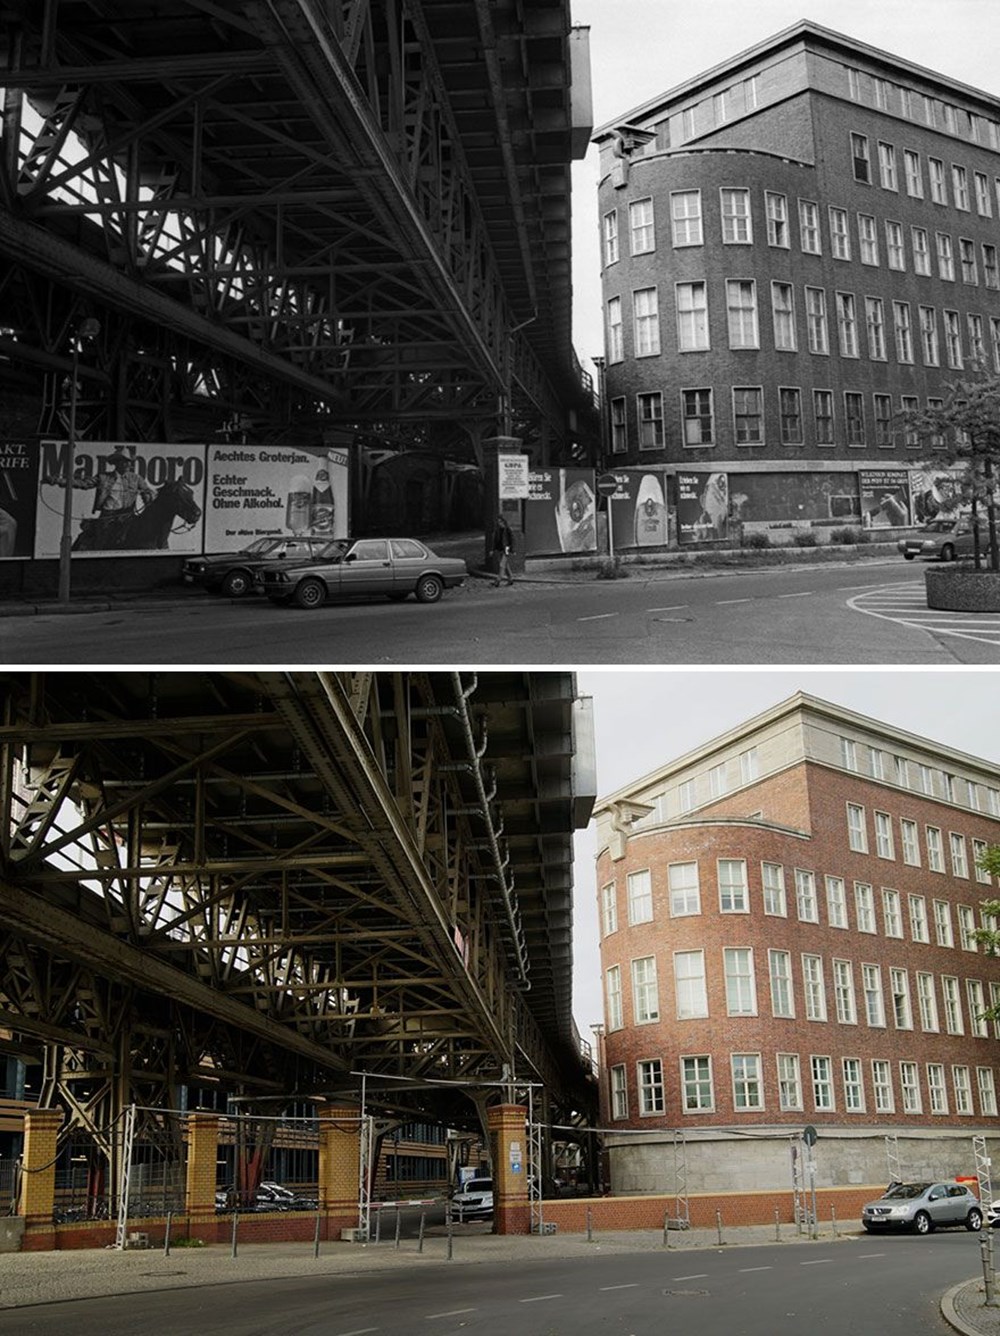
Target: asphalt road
886	1285
805	615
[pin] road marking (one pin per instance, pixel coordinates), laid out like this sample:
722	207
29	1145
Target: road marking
820	1261
674	607
452	1312
745	1269
358	1331
698	1275
540	1298
633	1286
864	1255
724	602
597	617
806	593
908	607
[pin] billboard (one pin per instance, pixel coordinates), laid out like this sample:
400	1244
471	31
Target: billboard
18	498
885	498
702	507
560	514
263	491
638	508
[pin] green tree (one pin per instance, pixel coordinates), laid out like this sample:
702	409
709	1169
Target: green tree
964	434
989	938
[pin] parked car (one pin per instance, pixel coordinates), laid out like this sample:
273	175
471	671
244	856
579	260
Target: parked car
945	539
394	567
234	573
922	1207
473	1200
992	1217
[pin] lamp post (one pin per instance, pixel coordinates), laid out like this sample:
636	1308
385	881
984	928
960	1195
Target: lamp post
89	329
602	407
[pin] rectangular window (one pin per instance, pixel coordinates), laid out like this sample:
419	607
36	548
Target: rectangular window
943	931
640	222
748	415
619	430
805	896
902	771
650	1082
977	339
650	408
918	919
685	214
776	207
840	234
854	1091
741	992
783	316
647	322
895	254
611	237
689	985
645	1001
609	908
875	322
790	408
814	988
902	331
613	986
857	831
696	1079
882	1085
928	335
819	341
936	1087
717	780
748	1092
733	895
995	339
780	969
883	421
887	166
939	193
945	256
960	186
737	228
640	897
847	324
809	237
836	902
967	260
935	850
891	914
959	858
953	339
984	204
899	985
619	1093
966	927
961	1083
987	1092
699	417
789	1081
978	1023
843	992
862	158
749	766
927	1003
822	1084
692	317
921	251
773	883
616	344
867	239
953	1021
685	894
871	981
914	175
979	848
991	275
741	308
823	416
911	844
864	907
909	1080
685	795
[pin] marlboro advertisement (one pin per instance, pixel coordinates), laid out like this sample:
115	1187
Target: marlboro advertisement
885	498
560	514
18	498
639	509
271	491
702	507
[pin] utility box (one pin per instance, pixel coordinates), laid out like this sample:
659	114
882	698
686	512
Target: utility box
352	1236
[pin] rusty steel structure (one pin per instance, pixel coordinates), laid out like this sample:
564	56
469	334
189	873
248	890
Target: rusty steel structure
280	886
291	216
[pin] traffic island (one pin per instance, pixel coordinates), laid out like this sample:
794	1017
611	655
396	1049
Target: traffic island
962	589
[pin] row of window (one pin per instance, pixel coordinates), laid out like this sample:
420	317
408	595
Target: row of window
860	425
964	186
691	992
687	228
909	832
697	1086
921	108
961	338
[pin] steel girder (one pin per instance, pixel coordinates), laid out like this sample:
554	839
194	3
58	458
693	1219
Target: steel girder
313	195
275	882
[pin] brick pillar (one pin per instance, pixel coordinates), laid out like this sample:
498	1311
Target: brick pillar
507	1125
202	1153
38	1179
339	1166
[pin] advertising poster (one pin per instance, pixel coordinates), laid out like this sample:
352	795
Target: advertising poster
512	477
127	498
702	507
885	498
18	498
259	491
639	509
935	492
560	514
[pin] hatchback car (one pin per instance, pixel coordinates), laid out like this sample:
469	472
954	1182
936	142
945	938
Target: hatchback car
943	539
234	573
474	1200
922	1207
393	567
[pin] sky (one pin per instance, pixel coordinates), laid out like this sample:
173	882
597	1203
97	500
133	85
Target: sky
645	718
641	48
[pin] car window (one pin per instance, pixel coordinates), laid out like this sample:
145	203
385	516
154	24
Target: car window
369	549
958	1190
406	547
906	1191
937	1191
478	1185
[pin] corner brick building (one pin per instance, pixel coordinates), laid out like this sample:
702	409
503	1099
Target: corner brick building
797	246
786	940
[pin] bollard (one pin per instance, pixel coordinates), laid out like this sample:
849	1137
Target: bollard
420	1233
378	1224
590	1225
449	1235
666	1231
316	1237
718	1224
398	1218
166	1236
988	1277
833	1221
777	1227
236	1220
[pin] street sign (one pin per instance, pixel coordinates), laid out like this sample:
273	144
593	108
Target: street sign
809	1135
607	484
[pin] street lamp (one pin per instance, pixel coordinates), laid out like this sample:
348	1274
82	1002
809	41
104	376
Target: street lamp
89	329
602	407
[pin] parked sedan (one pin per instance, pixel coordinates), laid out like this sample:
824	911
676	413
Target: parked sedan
922	1207
473	1200
394	567
945	539
234	573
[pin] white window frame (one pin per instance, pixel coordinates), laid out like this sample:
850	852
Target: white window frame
639	897
919	930
909	1083
824	1095
694	1082
857	828
806	903
748	1087
649	1087
871	987
884	846
772	880
986	1084
885	1098
619	1092
740	980
690	987
864	907
944	934
686	228
734	896
641	226
611	243
959	855
609	908
927	1002
737	223
779	969
613	997
899	990
854	1086
951	994
836	902
813	987
892	913
684	892
789	1071
910	837
645	991
936	1089
961	1084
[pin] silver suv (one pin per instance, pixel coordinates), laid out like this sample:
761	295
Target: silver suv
922	1207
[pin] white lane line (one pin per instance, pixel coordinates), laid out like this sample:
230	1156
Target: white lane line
597	617
820	1261
806	593
698	1275
724	602
633	1286
745	1269
674	607
358	1331
451	1312
865	1255
540	1298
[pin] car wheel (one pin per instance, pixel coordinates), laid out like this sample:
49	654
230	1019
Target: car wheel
948	552
922	1223
398	595
429	588
974	1220
236	584
908	556
310	593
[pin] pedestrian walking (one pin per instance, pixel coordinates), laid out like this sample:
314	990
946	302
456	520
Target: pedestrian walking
503	543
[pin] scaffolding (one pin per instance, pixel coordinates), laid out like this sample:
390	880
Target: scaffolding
983	1167
682	1206
892	1158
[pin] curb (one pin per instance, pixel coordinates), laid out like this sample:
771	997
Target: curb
949	1310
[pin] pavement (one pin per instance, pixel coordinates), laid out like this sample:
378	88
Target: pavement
52	1277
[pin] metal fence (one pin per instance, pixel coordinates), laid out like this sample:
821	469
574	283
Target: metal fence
8	1187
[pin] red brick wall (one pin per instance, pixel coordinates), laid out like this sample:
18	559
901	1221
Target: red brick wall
736	1209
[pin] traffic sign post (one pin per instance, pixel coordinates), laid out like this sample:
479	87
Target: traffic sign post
607	485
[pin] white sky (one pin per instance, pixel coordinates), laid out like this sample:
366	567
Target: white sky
644	719
641	48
